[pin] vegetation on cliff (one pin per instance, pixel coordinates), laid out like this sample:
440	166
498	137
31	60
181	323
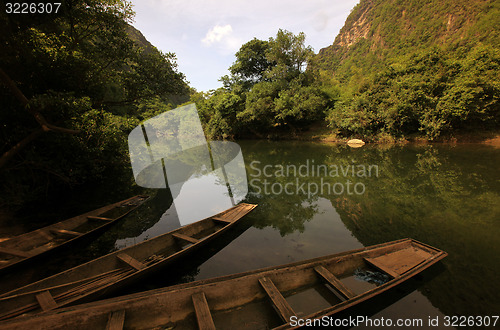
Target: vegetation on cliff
74	84
415	68
398	69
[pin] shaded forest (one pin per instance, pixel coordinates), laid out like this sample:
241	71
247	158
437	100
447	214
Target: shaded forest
73	86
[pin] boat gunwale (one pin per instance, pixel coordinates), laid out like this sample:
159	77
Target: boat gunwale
71	240
377	290
115	303
162	263
230	276
277	267
123	281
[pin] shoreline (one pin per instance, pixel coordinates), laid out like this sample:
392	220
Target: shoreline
319	133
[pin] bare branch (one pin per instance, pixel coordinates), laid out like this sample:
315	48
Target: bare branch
7	156
45	126
13	88
24	101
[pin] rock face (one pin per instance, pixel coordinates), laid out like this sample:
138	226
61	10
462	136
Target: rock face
139	39
377	31
357	30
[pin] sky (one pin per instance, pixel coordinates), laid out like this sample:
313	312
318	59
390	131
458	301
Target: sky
205	34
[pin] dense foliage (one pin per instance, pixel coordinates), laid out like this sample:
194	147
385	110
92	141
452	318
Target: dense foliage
74	84
398	69
269	91
430	93
415	68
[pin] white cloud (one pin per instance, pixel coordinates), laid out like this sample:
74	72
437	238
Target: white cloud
217	33
206	34
222	37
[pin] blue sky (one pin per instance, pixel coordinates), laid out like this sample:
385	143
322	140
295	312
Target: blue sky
205	35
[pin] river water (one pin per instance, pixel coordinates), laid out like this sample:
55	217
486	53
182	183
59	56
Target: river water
317	199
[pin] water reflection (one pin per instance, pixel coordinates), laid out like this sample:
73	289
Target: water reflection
199	198
447	196
261	247
170	151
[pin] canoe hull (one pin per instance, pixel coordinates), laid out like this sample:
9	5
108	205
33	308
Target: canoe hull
107	274
42	236
174	305
163	265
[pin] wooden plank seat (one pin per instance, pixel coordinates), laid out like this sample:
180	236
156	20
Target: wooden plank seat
65	232
399	262
281	305
46	301
186	238
334	282
45	234
91	217
203	316
380	266
221	220
132	262
116	320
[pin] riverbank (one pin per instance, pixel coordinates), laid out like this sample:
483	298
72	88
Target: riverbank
321	133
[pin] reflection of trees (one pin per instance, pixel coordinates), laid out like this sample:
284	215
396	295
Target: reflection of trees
136	223
221	159
445	196
286	213
442	197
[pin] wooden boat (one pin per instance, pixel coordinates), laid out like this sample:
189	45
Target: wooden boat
247	299
108	273
26	247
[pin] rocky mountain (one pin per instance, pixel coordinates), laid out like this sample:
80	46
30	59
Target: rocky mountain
378	30
415	67
140	39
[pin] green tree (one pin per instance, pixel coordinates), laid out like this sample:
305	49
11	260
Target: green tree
290	55
258	115
299	105
415	68
269	89
251	63
78	72
430	92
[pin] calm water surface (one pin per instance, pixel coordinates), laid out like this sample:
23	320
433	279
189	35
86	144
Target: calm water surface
445	196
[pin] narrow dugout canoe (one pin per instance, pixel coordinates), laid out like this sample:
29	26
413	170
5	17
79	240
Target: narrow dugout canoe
108	273
24	248
256	299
